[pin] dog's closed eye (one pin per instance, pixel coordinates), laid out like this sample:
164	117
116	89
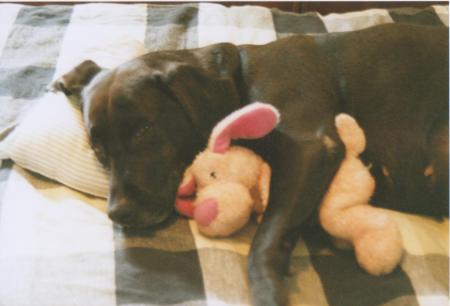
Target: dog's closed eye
142	133
143	129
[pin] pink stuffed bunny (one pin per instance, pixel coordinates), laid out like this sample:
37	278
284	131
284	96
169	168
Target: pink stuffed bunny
345	212
225	184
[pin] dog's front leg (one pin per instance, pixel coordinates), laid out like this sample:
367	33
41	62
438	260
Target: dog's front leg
300	180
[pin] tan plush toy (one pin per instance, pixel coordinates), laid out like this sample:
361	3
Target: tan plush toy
225	184
345	212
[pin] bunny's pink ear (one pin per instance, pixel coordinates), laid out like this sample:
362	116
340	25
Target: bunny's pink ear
250	122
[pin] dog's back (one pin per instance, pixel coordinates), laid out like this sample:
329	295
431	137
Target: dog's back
402	105
392	78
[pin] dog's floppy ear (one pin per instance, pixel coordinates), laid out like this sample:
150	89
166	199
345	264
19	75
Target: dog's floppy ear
206	89
250	122
73	82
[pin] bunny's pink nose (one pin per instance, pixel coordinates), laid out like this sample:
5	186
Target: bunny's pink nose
206	212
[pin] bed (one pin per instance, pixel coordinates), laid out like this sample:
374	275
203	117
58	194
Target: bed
57	245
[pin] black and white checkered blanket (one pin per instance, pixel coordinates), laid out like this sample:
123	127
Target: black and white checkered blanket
57	246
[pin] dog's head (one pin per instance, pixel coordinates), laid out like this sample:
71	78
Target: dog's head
147	118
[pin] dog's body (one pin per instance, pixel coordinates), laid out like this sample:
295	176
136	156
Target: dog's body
149	117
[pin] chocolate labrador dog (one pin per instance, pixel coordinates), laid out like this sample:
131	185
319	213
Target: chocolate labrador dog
147	118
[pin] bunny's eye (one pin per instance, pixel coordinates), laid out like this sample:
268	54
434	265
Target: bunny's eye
213	175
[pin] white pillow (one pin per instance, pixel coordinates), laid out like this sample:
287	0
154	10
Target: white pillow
51	141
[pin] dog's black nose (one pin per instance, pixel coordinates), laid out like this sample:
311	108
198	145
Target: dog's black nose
121	214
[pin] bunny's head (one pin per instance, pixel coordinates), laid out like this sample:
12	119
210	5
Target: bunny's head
223	165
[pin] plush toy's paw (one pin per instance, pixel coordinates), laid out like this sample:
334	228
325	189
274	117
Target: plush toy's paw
380	251
185	206
350	133
184	202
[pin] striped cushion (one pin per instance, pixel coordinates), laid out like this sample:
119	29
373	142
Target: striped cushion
51	141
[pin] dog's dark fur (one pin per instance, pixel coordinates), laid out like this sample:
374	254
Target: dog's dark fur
148	118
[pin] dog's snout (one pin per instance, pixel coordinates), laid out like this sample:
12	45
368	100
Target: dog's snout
121	214
130	214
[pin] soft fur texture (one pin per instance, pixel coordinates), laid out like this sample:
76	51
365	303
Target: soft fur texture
230	182
345	212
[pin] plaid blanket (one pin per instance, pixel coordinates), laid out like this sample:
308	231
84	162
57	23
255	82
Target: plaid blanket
57	246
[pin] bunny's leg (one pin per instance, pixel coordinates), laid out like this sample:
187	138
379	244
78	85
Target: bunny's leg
375	236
